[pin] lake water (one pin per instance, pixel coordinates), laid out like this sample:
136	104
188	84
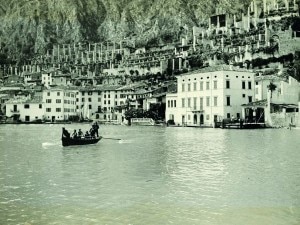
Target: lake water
154	175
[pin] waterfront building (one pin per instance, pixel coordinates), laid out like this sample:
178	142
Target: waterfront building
59	103
277	103
25	109
203	98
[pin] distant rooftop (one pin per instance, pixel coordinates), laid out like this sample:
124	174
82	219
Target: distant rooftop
24	100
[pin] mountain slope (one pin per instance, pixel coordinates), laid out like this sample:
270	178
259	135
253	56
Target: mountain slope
30	26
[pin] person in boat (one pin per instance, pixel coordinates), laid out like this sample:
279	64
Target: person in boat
66	133
92	132
95	127
74	135
87	135
80	133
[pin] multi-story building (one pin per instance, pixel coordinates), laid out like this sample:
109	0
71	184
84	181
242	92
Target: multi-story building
205	97
47	77
25	109
60	103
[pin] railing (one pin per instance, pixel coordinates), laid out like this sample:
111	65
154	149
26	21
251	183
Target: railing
15	111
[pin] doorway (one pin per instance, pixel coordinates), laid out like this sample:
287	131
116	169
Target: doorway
201	119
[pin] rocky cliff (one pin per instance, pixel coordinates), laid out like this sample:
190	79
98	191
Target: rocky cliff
32	26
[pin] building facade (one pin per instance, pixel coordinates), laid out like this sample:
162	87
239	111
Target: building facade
60	104
205	97
25	109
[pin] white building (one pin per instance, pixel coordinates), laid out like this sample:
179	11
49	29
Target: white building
60	103
205	97
47	77
287	89
25	109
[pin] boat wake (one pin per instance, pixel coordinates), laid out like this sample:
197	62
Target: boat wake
125	141
46	145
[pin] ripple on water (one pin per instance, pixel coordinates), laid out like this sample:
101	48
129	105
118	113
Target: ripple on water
152	176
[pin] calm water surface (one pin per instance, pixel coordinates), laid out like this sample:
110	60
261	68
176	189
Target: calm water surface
154	175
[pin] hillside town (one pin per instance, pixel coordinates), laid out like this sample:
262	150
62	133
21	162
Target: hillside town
234	69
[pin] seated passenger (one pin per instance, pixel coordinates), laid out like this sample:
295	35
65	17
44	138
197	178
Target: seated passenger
80	134
66	133
74	135
87	135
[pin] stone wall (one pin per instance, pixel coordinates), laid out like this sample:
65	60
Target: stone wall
284	119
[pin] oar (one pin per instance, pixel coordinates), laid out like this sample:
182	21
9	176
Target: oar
117	139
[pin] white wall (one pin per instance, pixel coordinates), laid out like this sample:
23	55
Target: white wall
35	111
191	114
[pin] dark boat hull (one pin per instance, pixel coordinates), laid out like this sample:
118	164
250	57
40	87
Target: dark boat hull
79	141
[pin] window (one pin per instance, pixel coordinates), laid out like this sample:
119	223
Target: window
215	84
90	106
249	85
215	101
90	99
195	86
99	92
174	103
228	100
250	98
227	84
201	85
189	102
77	99
58	93
99	99
244	96
195	103
201	103
83	93
48	109
40	106
182	102
243	85
104	101
238	116
48	93
58	100
228	115
58	109
26	106
82	99
104	96
168	103
171	103
207	85
183	87
48	100
108	102
189	87
108	95
207	101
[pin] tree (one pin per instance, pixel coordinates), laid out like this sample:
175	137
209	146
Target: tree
272	87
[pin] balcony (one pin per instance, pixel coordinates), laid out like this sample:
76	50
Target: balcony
15	112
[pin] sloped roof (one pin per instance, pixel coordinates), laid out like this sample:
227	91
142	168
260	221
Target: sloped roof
256	103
